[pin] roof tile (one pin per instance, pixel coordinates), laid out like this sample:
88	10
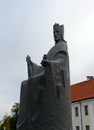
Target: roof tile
83	90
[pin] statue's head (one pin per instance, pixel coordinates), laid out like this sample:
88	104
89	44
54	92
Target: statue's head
58	31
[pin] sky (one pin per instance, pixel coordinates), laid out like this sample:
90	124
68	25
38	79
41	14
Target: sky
26	28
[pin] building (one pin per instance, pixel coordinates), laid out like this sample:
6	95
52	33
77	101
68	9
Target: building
82	97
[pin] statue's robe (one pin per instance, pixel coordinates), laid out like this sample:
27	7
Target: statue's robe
45	97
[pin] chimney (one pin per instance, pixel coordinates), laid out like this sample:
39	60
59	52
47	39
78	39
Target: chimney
90	77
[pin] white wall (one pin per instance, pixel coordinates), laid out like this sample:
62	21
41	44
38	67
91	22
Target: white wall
82	120
76	120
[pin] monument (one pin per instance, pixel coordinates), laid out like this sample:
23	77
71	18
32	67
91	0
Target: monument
45	96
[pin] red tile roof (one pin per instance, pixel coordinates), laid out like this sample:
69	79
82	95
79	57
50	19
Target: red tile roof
83	90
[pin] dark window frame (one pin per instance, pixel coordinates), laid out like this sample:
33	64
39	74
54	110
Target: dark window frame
87	127
76	111
86	110
77	127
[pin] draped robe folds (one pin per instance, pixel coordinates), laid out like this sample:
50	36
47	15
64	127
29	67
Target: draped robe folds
45	96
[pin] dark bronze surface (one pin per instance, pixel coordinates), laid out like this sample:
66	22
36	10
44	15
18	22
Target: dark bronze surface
45	96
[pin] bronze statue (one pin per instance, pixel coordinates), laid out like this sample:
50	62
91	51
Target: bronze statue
45	96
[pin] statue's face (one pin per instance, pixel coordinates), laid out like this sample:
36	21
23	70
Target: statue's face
57	34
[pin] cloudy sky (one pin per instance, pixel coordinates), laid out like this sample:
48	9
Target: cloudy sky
26	27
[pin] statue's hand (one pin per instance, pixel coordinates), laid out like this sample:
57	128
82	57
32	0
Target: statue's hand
45	57
28	59
45	62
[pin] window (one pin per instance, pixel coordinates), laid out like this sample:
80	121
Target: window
87	127
77	128
86	110
76	111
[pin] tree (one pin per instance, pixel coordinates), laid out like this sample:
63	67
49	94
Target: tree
14	110
9	122
14	116
1	125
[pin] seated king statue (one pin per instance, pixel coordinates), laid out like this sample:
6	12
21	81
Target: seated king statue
45	96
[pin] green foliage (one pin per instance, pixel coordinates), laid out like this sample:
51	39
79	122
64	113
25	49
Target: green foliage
15	110
1	125
9	122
